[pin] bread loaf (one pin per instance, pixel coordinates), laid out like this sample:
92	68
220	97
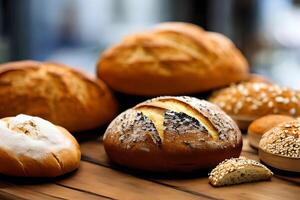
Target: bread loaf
33	147
55	92
172	134
280	146
246	102
172	59
238	170
261	125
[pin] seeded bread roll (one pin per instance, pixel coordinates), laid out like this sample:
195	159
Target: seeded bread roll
280	146
33	147
172	134
261	125
55	92
238	170
246	102
172	59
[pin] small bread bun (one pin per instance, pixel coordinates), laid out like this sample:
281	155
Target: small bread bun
55	92
280	146
238	170
246	102
172	134
173	58
261	125
33	147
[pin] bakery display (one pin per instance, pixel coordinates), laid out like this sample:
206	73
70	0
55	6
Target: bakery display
173	58
280	146
172	134
246	102
33	147
55	92
238	170
261	125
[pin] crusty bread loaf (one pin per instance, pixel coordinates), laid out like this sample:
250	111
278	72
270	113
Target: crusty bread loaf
172	59
261	125
172	134
238	170
33	147
246	102
280	146
55	92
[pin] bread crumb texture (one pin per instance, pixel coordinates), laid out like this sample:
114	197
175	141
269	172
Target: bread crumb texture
238	170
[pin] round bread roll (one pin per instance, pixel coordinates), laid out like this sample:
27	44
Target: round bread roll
33	147
261	125
280	146
172	134
55	92
246	102
171	59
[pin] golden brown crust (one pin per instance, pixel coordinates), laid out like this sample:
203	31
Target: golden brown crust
246	102
283	139
55	92
160	61
52	164
238	170
279	147
261	125
172	134
265	123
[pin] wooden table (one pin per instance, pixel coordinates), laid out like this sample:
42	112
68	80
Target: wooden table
98	179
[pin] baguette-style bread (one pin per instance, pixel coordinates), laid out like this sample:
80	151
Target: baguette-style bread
246	102
238	170
172	134
172	59
261	125
33	147
280	146
55	92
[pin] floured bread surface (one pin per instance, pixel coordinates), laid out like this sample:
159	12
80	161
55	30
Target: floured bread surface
32	138
238	170
170	127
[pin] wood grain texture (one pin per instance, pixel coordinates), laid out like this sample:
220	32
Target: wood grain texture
97	178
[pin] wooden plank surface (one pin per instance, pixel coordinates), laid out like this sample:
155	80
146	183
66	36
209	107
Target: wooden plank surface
97	178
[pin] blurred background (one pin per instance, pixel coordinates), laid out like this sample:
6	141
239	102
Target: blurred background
76	31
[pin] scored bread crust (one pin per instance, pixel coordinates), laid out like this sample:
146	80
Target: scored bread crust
55	92
172	134
160	61
51	164
246	102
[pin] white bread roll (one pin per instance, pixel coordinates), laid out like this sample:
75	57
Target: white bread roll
33	147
